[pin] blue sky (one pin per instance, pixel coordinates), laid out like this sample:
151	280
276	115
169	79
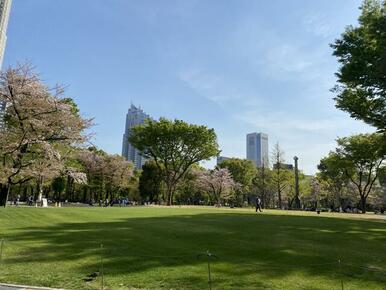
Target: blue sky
233	65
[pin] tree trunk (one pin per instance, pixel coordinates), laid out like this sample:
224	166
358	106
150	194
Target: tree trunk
279	196
297	202
363	203
68	189
40	189
4	193
169	195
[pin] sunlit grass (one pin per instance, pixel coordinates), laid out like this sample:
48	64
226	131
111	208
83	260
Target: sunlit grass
157	248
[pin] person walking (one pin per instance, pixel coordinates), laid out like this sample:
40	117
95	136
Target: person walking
258	204
30	200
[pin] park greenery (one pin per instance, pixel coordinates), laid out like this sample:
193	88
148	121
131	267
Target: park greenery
45	147
361	88
41	124
358	161
361	91
174	146
165	248
46	152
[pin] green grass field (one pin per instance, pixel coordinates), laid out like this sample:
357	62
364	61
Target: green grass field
157	248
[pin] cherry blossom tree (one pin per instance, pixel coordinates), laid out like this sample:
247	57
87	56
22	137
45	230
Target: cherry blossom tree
106	174
218	183
37	120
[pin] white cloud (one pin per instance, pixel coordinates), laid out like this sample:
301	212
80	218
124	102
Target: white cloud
215	88
203	83
283	122
287	59
307	137
317	24
298	63
306	68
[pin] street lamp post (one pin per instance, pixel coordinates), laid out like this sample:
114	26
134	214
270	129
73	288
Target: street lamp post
297	199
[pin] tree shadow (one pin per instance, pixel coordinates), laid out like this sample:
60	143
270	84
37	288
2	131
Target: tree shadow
252	250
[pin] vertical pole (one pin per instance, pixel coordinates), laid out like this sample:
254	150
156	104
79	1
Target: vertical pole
209	277
102	280
341	274
1	249
297	200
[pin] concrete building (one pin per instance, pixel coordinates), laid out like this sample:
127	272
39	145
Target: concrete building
135	116
257	149
286	166
5	8
221	159
2	112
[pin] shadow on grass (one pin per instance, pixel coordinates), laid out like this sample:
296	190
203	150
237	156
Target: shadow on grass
270	246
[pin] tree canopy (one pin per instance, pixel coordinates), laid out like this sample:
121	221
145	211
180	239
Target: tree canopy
38	121
218	183
359	159
243	171
174	146
361	89
150	182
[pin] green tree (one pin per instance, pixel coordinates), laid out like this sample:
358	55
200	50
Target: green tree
361	89
58	185
281	176
150	182
243	171
108	175
174	146
187	191
263	185
333	174
362	157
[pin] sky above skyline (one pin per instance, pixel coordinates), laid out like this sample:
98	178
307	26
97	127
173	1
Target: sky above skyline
236	66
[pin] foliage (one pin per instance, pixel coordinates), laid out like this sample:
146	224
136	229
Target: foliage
281	176
243	171
58	186
358	159
218	183
37	121
263	186
150	182
333	179
362	80
174	146
187	190
310	192
107	175
289	192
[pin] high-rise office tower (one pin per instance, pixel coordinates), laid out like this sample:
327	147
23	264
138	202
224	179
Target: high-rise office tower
2	112
257	149
5	8
135	116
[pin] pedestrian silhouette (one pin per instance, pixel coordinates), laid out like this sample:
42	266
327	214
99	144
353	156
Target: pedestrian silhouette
258	204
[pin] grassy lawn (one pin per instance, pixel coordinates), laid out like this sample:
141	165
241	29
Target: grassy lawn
156	248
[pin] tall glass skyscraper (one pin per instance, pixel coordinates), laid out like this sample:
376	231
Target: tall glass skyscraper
5	8
257	149
135	116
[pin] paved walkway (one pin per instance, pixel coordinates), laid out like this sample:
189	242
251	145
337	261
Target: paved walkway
23	287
